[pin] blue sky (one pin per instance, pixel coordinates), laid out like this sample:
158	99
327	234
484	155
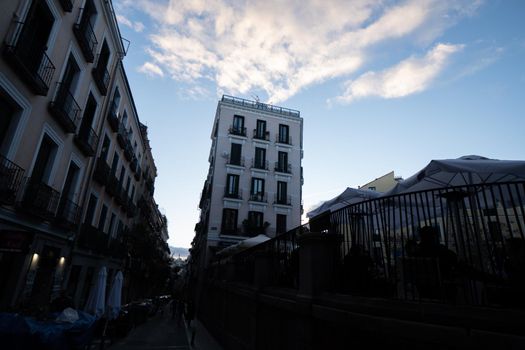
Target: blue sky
381	85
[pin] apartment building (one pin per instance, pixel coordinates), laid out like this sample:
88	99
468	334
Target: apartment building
255	176
75	161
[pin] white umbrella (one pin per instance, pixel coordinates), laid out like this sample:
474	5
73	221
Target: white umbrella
243	245
114	298
347	197
97	296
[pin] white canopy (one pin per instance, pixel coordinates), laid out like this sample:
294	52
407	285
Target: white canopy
348	196
243	245
97	296
466	170
115	296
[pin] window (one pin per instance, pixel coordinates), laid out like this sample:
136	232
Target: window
7	116
260	158
105	148
284	134
256	219
44	160
68	192
282	164
372	188
114	164
100	72
260	131
232	186
238	126
235	155
280	223
229	221
116	101
111	224
282	192
257	190
102	218
88	117
90	212
122	175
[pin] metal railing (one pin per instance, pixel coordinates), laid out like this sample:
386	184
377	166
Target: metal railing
65	108
40	199
85	36
68	213
261	135
33	64
283	140
101	77
259	164
260	106
93	239
239	131
113	119
283	167
258	197
11	176
238	162
283	200
87	140
235	195
101	173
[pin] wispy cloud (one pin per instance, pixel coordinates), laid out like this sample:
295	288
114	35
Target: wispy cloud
281	47
407	77
151	69
136	26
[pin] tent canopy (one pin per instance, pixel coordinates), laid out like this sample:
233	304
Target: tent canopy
243	245
466	170
348	196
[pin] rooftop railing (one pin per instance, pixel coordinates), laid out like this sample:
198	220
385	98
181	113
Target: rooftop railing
260	106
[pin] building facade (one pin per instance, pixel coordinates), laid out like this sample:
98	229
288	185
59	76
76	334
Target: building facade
75	161
255	176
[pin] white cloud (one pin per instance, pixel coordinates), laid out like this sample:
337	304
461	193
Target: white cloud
282	47
136	26
151	69
407	77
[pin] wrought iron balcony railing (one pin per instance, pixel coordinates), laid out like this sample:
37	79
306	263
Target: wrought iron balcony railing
65	109
239	131
132	209
112	185
235	161
101	173
33	65
87	140
40	199
86	37
128	151
101	77
283	139
235	195
283	167
258	197
259	164
92	238
68	214
113	120
122	135
282	199
261	135
11	176
231	231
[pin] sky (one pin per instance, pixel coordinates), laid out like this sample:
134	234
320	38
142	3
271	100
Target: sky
381	85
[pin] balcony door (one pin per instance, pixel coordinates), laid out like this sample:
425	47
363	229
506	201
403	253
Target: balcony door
235	155
44	160
284	133
282	192
32	42
89	14
103	58
89	116
260	132
7	114
229	221
283	161
260	158
232	186
257	190
238	123
68	192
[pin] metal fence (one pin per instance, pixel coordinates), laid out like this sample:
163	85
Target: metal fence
461	245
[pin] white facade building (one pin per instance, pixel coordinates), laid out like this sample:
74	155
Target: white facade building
255	175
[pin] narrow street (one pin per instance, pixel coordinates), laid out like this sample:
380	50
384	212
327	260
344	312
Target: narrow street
162	333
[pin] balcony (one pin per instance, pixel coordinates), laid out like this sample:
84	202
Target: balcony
120	196
128	151
235	161
68	214
132	209
283	200
101	78
67	5
101	173
231	231
233	195
11	176
122	136
92	239
261	135
283	139
40	199
112	185
113	120
137	173
86	37
259	164
238	131
285	168
134	163
65	109
258	197
32	65
87	141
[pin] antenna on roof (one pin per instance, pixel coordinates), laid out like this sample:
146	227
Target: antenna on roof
256	98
